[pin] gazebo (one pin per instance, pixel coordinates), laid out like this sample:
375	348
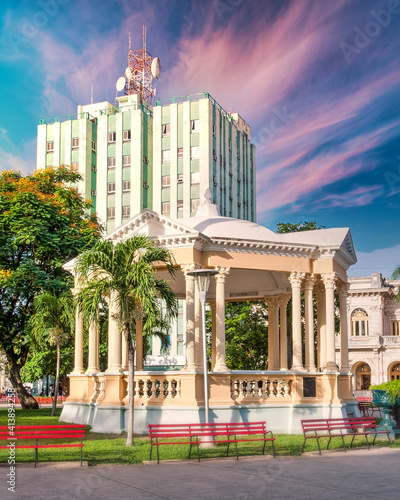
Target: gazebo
253	263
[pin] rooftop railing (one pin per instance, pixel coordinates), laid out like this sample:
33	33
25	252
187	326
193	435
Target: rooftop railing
64	118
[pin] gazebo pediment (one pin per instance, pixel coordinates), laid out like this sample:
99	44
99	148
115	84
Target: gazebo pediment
154	225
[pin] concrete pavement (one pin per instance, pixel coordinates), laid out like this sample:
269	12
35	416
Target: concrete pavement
337	475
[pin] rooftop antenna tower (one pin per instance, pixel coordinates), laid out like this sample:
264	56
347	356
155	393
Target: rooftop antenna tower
141	70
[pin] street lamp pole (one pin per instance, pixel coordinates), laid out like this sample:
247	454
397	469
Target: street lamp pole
203	282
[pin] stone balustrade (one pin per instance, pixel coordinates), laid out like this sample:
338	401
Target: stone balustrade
260	386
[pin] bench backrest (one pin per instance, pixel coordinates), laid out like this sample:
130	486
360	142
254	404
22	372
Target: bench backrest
203	429
74	431
329	424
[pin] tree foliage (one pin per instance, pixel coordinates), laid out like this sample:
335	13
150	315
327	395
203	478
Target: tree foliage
246	335
286	227
43	224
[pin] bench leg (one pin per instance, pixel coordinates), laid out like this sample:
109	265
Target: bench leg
366	439
81	451
302	448
344	444
319	447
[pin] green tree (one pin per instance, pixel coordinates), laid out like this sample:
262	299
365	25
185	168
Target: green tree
53	322
246	335
127	273
286	227
43	224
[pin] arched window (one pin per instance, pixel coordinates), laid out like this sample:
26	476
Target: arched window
395	372
359	323
363	377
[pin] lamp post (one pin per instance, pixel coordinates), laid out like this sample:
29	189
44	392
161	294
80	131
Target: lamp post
203	282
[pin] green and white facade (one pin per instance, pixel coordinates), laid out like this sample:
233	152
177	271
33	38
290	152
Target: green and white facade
161	157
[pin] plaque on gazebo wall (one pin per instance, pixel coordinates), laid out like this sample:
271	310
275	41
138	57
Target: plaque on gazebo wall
309	388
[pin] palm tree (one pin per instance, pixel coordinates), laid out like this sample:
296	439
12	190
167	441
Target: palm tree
53	320
126	273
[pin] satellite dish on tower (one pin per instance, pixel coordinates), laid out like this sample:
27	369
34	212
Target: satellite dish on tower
156	68
120	83
128	73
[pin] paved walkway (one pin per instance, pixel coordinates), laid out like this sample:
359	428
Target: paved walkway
335	475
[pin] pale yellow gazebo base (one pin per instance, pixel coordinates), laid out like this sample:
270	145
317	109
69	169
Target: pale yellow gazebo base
279	398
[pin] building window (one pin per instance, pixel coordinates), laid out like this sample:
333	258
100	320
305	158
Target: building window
50	146
126	186
126	212
111	163
166	129
93	147
126	161
195	178
112	137
93	167
395	372
166	155
359	323
165	208
74	188
363	377
180	152
126	135
111	188
194	125
165	181
194	205
111	213
230	144
180	178
75	166
179	206
213	129
75	143
194	152
395	327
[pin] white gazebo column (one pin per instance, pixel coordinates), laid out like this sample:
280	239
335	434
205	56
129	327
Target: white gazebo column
78	368
321	325
296	279
213	307
344	335
190	317
283	301
329	280
309	323
93	357
114	337
220	278
273	333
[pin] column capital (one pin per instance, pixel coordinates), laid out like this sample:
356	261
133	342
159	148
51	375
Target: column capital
329	279
283	300
309	281
222	273
271	302
342	287
185	268
296	278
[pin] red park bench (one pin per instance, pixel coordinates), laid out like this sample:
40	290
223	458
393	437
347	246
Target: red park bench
341	427
14	434
197	434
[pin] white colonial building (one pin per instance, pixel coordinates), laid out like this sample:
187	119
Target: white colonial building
374	331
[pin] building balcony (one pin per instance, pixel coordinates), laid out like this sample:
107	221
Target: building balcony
370	341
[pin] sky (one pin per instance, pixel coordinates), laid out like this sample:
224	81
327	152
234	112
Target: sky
317	81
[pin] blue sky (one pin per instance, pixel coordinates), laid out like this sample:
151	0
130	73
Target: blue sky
316	80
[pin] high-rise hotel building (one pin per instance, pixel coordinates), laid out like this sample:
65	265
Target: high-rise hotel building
161	157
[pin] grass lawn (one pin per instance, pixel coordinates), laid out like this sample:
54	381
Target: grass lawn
110	448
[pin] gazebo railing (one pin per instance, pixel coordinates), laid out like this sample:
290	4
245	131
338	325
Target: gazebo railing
261	386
